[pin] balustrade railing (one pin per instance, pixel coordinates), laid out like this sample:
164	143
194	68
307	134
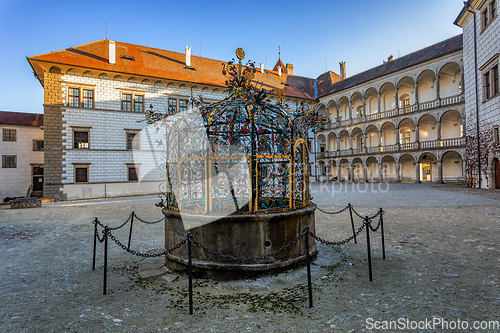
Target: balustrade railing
404	110
433	144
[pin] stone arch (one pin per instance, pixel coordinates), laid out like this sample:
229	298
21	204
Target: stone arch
371	101
371	136
451	124
406	92
171	85
332	141
72	71
345	142
407	167
133	80
372	168
387	96
205	90
147	82
452	164
183	86
104	76
427	166
426	81
345	172
159	83
427	127
358	169
216	91
88	74
388	168
55	69
119	78
450	79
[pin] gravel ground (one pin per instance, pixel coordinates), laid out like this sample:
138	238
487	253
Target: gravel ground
442	261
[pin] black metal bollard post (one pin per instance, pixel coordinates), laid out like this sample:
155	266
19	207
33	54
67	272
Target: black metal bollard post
352	224
368	246
95	243
130	232
308	263
382	231
190	275
106	229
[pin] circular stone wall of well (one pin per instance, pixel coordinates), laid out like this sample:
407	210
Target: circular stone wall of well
246	235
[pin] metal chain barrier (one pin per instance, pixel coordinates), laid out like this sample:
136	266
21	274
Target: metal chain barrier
337	212
342	242
231	257
141	254
363	217
147	222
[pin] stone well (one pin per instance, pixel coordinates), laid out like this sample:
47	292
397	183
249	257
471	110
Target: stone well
247	236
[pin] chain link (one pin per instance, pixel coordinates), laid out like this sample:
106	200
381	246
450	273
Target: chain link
231	257
337	212
342	242
145	255
147	222
363	217
124	223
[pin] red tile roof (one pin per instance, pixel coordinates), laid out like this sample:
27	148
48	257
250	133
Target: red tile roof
164	64
21	119
440	49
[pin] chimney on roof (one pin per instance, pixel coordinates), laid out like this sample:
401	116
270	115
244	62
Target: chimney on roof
112	52
188	56
289	69
342	70
262	67
279	71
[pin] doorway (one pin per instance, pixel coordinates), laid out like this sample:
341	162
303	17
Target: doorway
425	172
37	181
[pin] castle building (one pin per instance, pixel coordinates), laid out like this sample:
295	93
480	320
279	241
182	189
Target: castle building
95	96
481	31
401	121
21	147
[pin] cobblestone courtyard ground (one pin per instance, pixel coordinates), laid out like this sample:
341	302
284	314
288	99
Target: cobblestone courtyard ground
443	258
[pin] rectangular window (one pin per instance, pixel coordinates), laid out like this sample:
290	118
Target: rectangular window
37	145
9	161
133	142
81	174
172	105
493	10
9	134
126	102
486	86
495	89
132	173
138	103
496	135
74	97
81	139
484	19
406	102
183	105
88	98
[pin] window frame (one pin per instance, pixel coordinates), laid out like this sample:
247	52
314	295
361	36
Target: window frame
490	80
11	131
488	15
81	99
496	134
136	167
178	100
84	166
77	144
35	145
136	133
8	165
133	103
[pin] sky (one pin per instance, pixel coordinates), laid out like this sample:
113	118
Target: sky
314	36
